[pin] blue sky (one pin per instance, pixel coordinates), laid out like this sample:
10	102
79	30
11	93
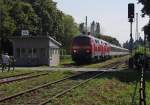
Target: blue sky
112	15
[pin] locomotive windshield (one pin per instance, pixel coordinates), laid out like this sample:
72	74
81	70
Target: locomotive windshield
81	41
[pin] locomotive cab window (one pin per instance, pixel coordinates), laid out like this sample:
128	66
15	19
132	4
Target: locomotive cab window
81	41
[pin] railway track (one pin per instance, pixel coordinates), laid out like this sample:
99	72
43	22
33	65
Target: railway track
16	75
54	89
46	92
20	77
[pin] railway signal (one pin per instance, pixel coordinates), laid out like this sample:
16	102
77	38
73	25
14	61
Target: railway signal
131	17
131	10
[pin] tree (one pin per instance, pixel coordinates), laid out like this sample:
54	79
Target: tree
97	30
93	28
70	30
146	11
109	39
7	24
40	17
24	17
81	27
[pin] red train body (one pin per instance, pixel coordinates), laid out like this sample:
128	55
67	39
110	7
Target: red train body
86	48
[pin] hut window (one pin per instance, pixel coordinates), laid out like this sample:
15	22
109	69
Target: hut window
43	52
18	52
29	52
23	52
55	51
50	52
34	53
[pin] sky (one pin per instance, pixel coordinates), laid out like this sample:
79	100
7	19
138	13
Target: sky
111	14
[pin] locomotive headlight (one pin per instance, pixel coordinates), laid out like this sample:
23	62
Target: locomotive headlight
87	51
74	51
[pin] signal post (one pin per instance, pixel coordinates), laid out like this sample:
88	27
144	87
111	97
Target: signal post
131	18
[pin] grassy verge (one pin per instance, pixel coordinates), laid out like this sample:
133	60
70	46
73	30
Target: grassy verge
147	88
116	88
68	61
12	73
64	60
107	62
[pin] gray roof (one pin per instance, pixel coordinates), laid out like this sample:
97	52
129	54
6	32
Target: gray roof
37	37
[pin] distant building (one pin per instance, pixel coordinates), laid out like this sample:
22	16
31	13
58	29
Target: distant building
35	50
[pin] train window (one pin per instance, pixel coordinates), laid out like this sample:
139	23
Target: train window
81	41
96	41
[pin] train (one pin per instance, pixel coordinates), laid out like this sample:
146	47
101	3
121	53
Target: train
87	48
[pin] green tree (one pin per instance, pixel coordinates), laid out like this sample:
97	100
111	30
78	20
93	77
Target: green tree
40	17
146	11
7	24
81	27
93	28
109	39
97	30
70	30
24	17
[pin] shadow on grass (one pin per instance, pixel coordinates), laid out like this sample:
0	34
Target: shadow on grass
127	76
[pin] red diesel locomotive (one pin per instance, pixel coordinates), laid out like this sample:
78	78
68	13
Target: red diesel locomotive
86	48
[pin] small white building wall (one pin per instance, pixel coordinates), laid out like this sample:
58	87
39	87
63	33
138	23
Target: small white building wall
54	54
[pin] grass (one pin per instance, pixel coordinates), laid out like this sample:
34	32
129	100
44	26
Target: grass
116	88
141	50
65	60
147	88
107	62
12	73
113	88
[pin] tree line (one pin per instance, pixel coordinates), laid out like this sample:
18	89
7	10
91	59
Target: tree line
40	17
146	11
